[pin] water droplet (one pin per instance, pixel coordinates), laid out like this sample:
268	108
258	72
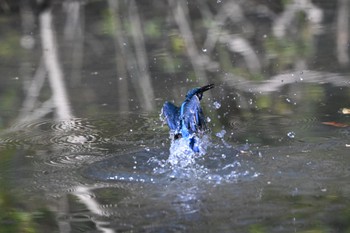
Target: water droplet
291	134
221	134
204	50
295	192
217	105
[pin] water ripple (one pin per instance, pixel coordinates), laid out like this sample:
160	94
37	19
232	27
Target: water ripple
153	166
71	160
83	133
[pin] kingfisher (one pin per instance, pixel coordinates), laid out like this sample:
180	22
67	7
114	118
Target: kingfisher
188	119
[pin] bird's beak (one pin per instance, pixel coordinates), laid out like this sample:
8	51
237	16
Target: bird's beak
207	87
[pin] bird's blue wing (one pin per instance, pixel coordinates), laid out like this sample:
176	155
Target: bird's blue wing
172	114
192	116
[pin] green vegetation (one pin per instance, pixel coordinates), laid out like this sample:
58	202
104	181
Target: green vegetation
16	214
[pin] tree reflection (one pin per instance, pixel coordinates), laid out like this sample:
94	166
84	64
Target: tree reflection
51	66
52	63
15	214
130	55
247	41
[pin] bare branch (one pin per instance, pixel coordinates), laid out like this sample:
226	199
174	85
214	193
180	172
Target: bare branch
229	10
192	51
33	90
278	81
55	74
314	15
73	32
343	32
144	79
240	45
120	55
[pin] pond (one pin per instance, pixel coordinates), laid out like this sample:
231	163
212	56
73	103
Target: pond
83	147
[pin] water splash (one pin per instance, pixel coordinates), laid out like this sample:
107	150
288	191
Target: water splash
216	160
221	134
291	134
217	164
181	155
217	105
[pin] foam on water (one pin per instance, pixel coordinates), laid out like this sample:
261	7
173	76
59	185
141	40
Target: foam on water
214	163
181	155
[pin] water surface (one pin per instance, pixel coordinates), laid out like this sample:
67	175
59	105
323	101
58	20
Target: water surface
82	146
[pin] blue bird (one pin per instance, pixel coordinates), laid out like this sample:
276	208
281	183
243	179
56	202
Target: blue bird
188	119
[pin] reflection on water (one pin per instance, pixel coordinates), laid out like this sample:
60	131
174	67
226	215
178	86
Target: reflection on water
123	180
82	148
262	170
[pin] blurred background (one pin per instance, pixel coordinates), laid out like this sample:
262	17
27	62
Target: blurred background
129	56
281	70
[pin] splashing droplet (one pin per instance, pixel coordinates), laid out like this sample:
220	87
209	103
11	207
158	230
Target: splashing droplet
291	134
221	134
217	105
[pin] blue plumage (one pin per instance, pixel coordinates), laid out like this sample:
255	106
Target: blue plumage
188	119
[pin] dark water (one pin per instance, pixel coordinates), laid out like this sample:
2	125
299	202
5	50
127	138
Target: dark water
83	148
98	179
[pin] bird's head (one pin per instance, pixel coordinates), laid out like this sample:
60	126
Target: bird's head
198	91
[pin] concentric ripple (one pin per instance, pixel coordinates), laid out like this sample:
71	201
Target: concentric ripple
64	146
84	133
71	160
